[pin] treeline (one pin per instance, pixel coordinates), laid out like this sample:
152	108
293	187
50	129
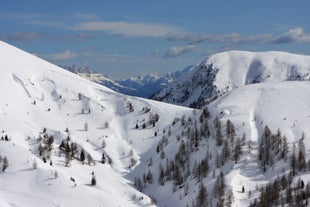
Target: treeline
284	192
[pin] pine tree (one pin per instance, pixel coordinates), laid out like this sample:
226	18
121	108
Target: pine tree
34	164
218	133
103	158
284	148
301	154
86	126
93	181
149	177
161	176
219	186
230	131
237	150
5	164
82	156
293	162
202	197
225	152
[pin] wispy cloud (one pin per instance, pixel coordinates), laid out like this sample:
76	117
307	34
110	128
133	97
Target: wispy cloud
154	52
235	38
293	35
85	16
66	55
24	36
34	36
131	29
180	50
46	23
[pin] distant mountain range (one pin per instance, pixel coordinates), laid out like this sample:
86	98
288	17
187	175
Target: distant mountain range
141	86
197	85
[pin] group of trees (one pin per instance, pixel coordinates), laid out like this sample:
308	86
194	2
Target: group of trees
181	167
274	147
153	119
5	137
283	192
69	149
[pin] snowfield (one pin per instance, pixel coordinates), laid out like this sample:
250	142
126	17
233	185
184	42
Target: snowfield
155	154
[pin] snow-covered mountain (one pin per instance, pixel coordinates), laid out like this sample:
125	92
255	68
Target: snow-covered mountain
224	71
69	141
142	86
48	116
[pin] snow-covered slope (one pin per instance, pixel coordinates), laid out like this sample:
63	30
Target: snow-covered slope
224	71
40	101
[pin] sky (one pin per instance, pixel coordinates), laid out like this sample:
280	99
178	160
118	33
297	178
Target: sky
123	39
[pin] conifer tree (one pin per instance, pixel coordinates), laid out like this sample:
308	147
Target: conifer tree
5	164
230	131
82	156
202	199
93	181
103	158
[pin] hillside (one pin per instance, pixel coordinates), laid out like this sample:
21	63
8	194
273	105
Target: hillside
69	141
43	105
225	71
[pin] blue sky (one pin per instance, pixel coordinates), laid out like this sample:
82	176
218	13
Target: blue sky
128	38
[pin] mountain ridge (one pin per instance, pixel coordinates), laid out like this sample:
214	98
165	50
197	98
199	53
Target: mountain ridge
221	72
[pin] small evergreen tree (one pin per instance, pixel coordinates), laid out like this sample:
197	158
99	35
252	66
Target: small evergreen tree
34	164
103	158
86	126
93	181
5	164
82	156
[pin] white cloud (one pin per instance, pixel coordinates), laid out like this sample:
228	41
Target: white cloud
180	50
66	55
131	29
293	35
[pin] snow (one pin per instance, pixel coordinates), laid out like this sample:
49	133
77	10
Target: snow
37	95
